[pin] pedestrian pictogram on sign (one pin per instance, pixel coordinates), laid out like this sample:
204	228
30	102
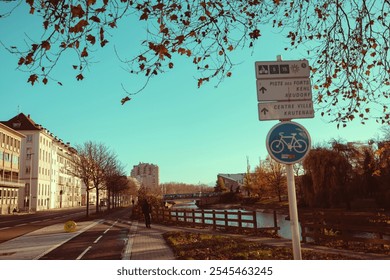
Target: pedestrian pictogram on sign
282	69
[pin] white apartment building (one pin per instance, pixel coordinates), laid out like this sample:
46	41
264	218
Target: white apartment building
147	175
10	185
45	164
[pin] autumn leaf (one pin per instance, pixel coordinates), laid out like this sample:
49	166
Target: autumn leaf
30	2
180	39
77	11
44	80
125	99
101	33
84	53
46	24
173	17
91	39
29	58
181	51
21	61
159	6
79	77
95	19
255	34
45	45
32	79
200	82
79	27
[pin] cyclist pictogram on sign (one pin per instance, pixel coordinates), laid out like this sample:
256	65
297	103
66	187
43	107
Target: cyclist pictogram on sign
288	142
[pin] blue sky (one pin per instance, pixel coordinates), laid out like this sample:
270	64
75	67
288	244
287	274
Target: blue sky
191	134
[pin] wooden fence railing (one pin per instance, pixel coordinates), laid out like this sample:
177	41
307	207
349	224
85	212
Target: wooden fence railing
324	226
241	220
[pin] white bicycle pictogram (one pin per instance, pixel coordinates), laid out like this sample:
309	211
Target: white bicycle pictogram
298	145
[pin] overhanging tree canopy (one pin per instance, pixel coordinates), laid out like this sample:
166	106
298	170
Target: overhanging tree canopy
346	42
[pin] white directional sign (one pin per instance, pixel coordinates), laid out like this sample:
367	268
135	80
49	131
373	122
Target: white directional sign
286	110
282	69
284	89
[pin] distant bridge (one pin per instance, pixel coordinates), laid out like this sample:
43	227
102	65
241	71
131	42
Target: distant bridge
177	196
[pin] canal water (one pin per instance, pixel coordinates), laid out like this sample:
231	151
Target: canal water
264	219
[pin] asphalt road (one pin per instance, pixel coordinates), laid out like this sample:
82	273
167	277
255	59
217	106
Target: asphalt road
42	235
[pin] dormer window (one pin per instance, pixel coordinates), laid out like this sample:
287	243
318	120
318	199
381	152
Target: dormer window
16	125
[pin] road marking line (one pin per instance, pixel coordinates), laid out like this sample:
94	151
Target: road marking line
97	239
130	239
110	227
83	253
5	228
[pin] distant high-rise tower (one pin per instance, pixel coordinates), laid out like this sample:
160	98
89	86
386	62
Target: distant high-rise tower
147	174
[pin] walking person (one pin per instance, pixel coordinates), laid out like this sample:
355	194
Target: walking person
145	206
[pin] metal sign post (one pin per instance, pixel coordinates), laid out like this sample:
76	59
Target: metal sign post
292	204
287	85
288	143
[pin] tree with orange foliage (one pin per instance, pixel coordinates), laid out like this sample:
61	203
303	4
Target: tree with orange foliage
346	42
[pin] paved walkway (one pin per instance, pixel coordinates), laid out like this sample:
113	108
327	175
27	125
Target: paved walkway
149	244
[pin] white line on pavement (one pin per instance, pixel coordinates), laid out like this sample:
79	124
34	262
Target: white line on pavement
130	239
83	253
97	239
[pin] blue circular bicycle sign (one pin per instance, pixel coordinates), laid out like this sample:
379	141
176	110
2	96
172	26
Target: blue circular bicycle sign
288	142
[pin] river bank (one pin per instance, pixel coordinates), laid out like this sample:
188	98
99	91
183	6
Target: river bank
281	208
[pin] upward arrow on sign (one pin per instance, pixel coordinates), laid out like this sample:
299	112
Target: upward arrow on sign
262	89
264	111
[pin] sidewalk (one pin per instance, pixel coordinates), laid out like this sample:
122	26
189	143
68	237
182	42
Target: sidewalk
149	244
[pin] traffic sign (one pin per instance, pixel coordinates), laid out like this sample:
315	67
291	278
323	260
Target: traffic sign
288	142
286	110
282	69
284	89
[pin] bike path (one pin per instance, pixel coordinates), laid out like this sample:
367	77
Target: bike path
34	245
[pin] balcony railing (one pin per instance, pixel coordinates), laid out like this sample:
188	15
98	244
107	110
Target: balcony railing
5	182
